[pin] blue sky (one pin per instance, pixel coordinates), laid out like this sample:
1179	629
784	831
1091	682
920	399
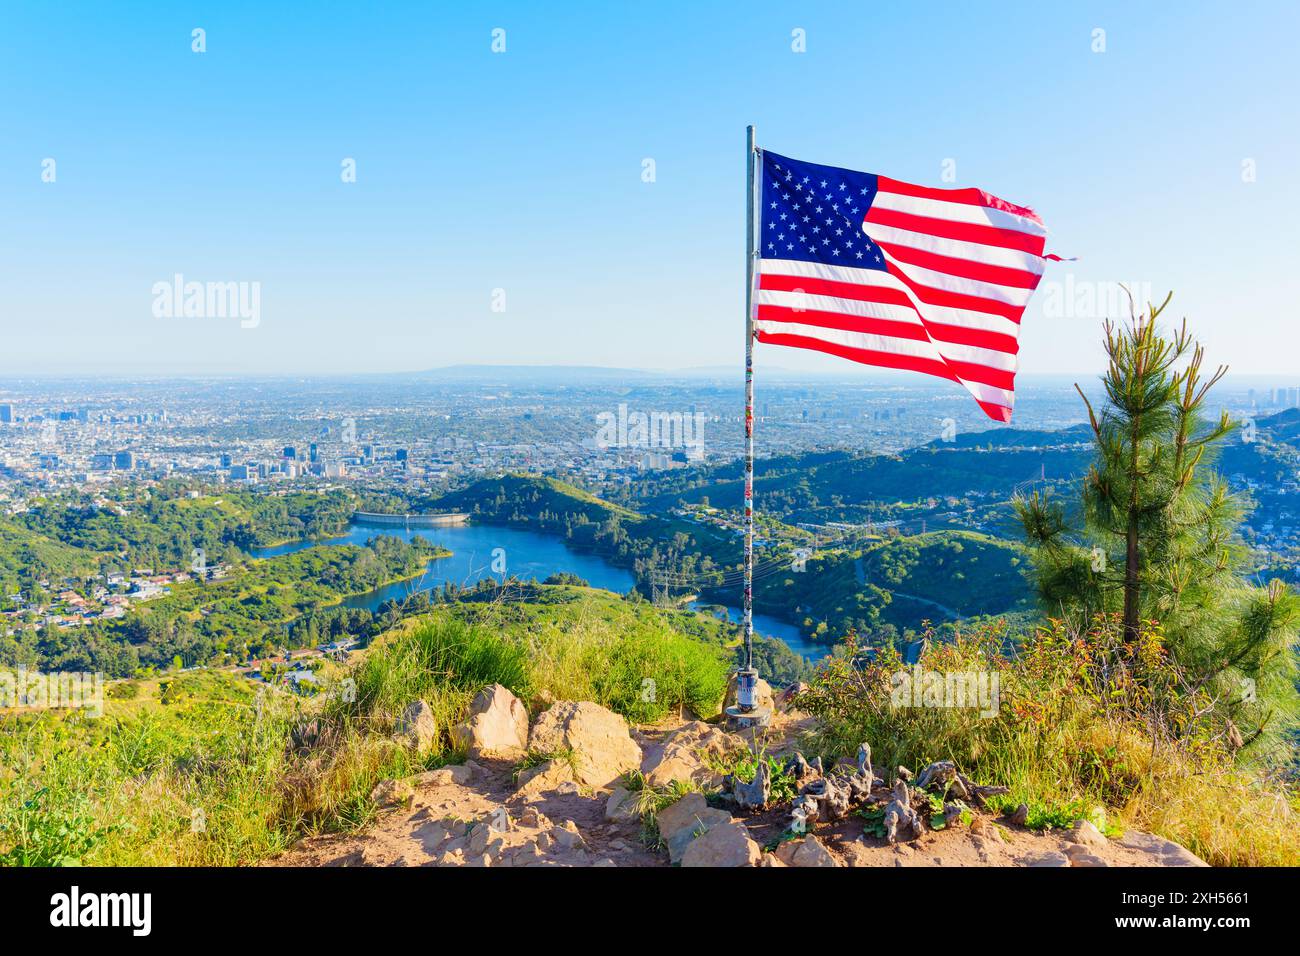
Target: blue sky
522	171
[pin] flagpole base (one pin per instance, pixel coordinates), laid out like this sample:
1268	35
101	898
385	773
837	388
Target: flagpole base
740	719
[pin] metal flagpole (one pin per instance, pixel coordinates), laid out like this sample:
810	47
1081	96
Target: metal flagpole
746	709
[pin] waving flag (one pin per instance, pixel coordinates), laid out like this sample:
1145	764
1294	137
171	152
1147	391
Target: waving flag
890	274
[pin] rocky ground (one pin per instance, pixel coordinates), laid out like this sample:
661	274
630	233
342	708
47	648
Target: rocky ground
573	810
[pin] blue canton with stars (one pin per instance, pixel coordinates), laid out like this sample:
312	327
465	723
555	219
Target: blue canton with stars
814	213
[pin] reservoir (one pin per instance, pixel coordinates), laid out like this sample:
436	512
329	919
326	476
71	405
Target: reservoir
526	555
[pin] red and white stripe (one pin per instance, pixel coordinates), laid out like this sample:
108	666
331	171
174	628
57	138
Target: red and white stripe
962	265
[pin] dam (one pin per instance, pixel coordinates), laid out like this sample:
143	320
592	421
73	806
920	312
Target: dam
410	521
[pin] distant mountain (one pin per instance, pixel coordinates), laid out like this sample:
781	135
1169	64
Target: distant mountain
1017	438
535	374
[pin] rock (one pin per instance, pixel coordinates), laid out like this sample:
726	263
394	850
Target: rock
417	728
1085	834
952	813
598	738
1162	852
497	723
826	798
798	768
547	777
754	795
809	851
532	817
1050	859
985	829
1020	815
680	755
900	818
1081	855
479	837
942	777
567	837
726	844
680	822
789	698
762	694
388	793
444	776
622	806
682	838
864	762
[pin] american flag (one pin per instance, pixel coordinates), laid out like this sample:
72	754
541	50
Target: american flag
890	274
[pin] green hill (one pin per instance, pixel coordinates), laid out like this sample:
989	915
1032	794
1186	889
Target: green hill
523	499
897	584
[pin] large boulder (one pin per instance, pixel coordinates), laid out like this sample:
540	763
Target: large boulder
682	755
598	738
727	844
681	822
498	723
417	728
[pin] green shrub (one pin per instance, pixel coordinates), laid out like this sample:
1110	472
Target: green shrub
1083	719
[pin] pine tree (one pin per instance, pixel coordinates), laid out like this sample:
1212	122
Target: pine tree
1156	536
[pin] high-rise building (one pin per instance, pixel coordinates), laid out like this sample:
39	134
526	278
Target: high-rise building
124	461
290	451
313	454
6	413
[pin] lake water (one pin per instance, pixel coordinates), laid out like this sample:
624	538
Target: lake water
527	554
